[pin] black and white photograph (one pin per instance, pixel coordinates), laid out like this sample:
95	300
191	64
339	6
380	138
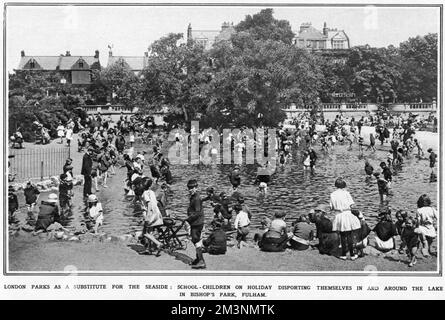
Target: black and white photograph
218	139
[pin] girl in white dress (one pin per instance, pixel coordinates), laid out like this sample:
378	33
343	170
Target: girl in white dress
152	217
426	220
344	222
60	131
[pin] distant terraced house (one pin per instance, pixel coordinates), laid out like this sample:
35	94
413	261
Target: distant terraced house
207	38
328	39
135	63
74	69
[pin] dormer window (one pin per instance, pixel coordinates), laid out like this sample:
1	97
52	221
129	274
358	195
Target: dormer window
81	64
32	64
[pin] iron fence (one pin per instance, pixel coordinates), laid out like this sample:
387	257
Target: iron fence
37	163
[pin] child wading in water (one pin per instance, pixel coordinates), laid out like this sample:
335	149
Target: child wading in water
368	169
382	185
95	211
242	223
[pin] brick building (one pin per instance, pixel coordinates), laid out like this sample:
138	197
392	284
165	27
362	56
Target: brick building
74	69
327	39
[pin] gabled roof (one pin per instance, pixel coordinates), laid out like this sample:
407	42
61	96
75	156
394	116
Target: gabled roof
340	34
45	62
311	33
68	62
136	63
57	62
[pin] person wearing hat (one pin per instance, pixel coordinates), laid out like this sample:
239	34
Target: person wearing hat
48	213
276	238
195	218
31	196
95	211
13	203
86	171
216	242
241	224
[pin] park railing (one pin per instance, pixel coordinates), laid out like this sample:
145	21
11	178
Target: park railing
109	109
37	163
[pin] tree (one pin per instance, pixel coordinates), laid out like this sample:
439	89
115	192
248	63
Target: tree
176	77
374	73
418	58
263	26
256	79
121	83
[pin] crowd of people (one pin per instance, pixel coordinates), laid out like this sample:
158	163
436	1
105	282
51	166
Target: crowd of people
110	146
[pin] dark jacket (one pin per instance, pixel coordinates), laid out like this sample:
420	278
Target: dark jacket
216	243
13	203
369	169
87	165
195	211
31	193
385	230
48	214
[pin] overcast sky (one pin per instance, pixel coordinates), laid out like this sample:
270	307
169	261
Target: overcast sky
82	30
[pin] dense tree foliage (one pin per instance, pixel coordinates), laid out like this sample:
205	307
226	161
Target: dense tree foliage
245	80
418	59
263	26
177	77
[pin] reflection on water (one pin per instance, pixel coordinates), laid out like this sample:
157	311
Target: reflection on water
291	189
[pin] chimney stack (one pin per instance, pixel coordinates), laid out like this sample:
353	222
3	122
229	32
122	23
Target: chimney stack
22	53
96	54
68	54
325	29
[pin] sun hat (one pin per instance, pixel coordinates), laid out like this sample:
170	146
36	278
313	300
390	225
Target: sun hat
52	197
92	198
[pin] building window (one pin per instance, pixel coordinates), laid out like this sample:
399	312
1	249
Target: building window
81	64
337	44
32	64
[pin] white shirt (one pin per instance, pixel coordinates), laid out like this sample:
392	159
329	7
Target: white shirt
341	200
96	212
152	213
69	133
242	219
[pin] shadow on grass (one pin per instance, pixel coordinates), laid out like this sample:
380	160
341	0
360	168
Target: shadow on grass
140	249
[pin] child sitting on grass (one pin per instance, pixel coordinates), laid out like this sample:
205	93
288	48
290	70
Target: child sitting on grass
216	243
